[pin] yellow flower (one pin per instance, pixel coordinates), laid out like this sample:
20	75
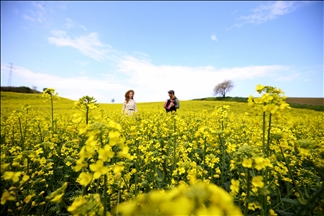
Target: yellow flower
105	154
77	203
272	213
267	97
6	196
259	88
247	163
267	162
99	169
257	181
85	178
124	153
14	176
260	163
4	166
117	169
56	195
79	165
113	137
28	198
24	179
57	198
235	186
284	105
253	206
304	152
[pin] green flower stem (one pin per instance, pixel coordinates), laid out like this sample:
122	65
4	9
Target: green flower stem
311	201
266	173
174	145
268	140
126	183
263	131
83	190
21	135
87	114
13	136
40	132
52	106
105	195
136	167
247	193
223	159
204	158
290	174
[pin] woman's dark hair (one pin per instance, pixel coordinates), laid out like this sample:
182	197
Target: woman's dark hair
171	92
127	95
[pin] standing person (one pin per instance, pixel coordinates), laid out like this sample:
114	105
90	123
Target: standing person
171	104
129	106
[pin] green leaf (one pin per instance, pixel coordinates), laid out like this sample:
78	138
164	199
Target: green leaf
291	201
283	213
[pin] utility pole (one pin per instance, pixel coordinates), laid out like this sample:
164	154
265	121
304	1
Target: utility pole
10	75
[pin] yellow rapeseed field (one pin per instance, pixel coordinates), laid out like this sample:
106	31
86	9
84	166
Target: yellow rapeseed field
64	157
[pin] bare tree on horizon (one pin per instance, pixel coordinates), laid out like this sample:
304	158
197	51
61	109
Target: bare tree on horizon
223	88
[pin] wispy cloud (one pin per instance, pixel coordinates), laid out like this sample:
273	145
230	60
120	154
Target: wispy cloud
269	11
89	45
71	24
26	17
288	77
73	88
37	13
151	82
213	37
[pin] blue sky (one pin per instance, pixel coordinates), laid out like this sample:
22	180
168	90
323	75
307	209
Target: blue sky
103	49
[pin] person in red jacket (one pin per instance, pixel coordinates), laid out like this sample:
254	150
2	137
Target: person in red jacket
171	104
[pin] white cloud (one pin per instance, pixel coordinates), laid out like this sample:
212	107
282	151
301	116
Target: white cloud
26	17
269	11
213	37
83	27
71	24
153	81
150	82
39	13
289	77
72	88
89	45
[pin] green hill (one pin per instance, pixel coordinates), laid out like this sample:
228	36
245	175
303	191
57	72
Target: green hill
11	101
302	103
21	89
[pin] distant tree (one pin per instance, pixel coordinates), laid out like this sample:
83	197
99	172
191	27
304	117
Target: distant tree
112	100
223	87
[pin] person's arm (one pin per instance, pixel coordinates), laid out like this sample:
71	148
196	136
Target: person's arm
124	107
177	103
135	109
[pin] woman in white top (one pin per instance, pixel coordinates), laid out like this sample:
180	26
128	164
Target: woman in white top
129	106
